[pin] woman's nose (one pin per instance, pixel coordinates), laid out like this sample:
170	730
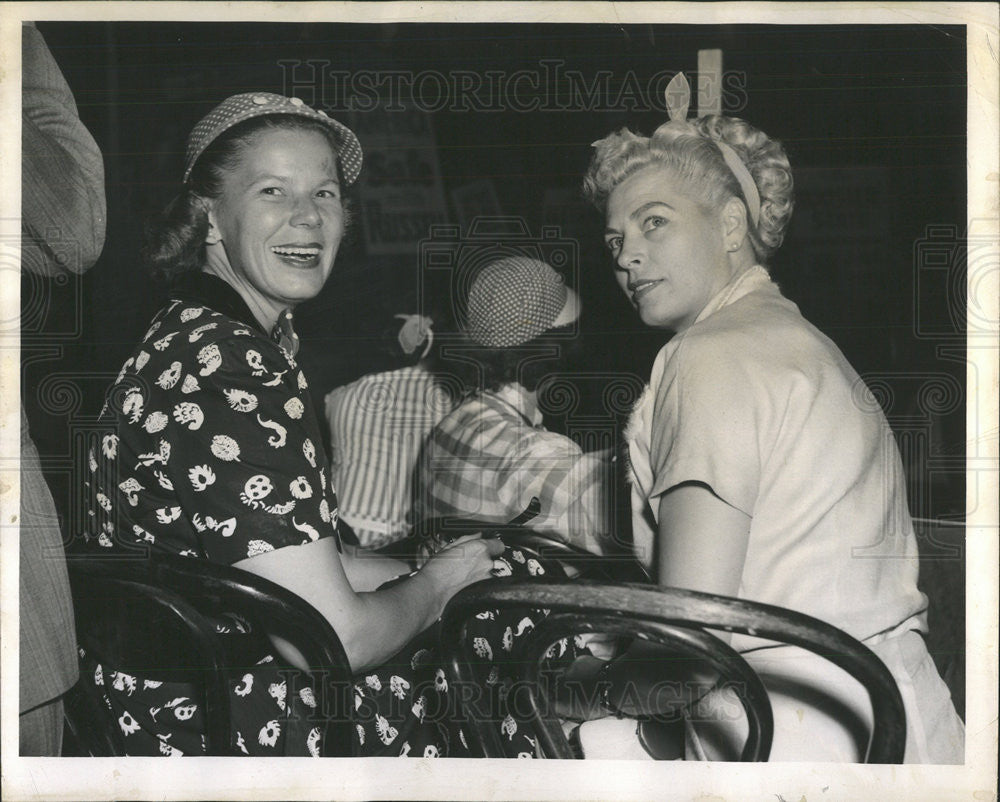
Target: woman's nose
629	256
305	213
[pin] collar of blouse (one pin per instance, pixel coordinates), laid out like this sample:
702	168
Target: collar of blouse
215	293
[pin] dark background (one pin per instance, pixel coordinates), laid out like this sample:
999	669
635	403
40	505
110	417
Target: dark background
873	119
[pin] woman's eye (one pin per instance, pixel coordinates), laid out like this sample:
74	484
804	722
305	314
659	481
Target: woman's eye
613	243
327	193
273	191
653	221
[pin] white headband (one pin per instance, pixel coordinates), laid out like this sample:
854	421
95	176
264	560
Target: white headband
678	98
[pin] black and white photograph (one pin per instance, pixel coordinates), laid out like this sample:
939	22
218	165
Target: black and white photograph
461	383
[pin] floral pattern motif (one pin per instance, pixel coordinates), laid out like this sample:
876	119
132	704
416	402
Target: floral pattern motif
211	453
249	431
402	708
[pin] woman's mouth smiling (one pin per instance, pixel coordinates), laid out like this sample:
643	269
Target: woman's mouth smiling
299	255
640	288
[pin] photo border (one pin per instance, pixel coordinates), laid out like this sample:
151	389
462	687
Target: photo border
294	778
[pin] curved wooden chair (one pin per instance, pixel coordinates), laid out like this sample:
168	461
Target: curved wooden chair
156	616
674	618
555	554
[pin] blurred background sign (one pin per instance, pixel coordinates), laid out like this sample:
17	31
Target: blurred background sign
401	193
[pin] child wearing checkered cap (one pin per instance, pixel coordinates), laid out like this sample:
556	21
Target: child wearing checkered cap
491	457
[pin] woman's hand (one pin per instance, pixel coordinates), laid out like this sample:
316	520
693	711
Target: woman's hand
579	691
463	562
647	680
650	680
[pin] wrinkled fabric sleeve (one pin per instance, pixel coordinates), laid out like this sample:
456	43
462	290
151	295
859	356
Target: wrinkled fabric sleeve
571	486
482	465
706	424
247	470
63	206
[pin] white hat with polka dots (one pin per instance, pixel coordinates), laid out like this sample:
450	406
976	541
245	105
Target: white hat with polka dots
238	108
515	299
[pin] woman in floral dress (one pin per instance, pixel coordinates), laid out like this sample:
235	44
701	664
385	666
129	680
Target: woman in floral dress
212	450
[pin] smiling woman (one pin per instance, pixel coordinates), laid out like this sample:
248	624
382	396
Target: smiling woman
212	450
274	230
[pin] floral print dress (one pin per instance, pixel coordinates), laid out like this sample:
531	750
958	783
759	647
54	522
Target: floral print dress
212	450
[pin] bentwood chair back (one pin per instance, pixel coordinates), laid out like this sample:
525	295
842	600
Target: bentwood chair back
676	619
156	616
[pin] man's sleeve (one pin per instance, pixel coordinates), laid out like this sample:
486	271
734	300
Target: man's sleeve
63	205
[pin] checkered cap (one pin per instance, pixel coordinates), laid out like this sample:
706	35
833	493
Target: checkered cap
238	108
513	300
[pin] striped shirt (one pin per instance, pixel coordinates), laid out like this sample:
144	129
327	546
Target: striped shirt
491	456
378	425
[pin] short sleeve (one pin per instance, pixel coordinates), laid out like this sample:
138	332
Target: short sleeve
706	423
246	464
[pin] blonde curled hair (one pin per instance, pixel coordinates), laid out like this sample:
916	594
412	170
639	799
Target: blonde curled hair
689	150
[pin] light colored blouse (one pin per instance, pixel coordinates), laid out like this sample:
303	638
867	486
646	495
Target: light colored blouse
756	403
